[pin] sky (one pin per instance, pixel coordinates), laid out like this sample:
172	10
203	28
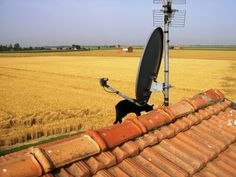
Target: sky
111	22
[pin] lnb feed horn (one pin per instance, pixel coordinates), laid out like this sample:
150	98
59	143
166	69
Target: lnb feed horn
103	83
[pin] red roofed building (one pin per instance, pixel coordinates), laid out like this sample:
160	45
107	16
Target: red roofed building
126	49
195	137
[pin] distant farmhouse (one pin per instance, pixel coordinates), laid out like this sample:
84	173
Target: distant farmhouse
126	49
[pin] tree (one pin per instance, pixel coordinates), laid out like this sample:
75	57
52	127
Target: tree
76	47
10	47
3	48
16	46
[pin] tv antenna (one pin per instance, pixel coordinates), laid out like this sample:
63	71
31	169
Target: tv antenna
168	17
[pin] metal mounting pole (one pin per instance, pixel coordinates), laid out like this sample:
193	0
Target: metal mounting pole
167	13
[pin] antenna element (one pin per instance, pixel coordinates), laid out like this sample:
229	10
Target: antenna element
168	17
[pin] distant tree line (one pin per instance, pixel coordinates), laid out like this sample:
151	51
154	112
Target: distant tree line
10	47
73	47
106	47
17	47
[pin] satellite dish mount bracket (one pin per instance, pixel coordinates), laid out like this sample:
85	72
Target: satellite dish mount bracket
157	86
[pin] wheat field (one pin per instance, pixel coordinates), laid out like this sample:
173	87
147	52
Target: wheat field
44	94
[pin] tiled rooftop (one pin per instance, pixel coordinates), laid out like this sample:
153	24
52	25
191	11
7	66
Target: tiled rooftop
195	137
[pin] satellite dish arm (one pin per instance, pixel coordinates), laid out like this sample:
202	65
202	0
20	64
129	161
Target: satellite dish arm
103	83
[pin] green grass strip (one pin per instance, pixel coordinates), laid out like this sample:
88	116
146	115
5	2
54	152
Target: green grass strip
11	150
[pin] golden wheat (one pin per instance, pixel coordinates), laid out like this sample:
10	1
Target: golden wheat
45	95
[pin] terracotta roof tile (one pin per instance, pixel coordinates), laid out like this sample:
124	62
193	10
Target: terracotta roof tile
219	131
14	155
119	133
42	159
103	173
195	137
202	140
61	173
181	109
83	169
167	166
107	158
154	119
94	164
198	101
205	173
26	165
175	160
181	153
120	154
131	148
75	170
214	95
150	166
150	138
195	153
138	123
133	168
168	131
160	135
116	171
63	153
197	145
222	165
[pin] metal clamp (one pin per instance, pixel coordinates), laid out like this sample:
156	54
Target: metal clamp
156	86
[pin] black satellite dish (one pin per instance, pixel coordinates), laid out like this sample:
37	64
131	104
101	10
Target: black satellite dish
147	72
149	66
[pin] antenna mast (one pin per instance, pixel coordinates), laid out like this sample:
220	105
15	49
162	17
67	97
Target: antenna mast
167	17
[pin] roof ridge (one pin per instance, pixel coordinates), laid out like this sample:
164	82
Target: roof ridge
112	136
46	158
